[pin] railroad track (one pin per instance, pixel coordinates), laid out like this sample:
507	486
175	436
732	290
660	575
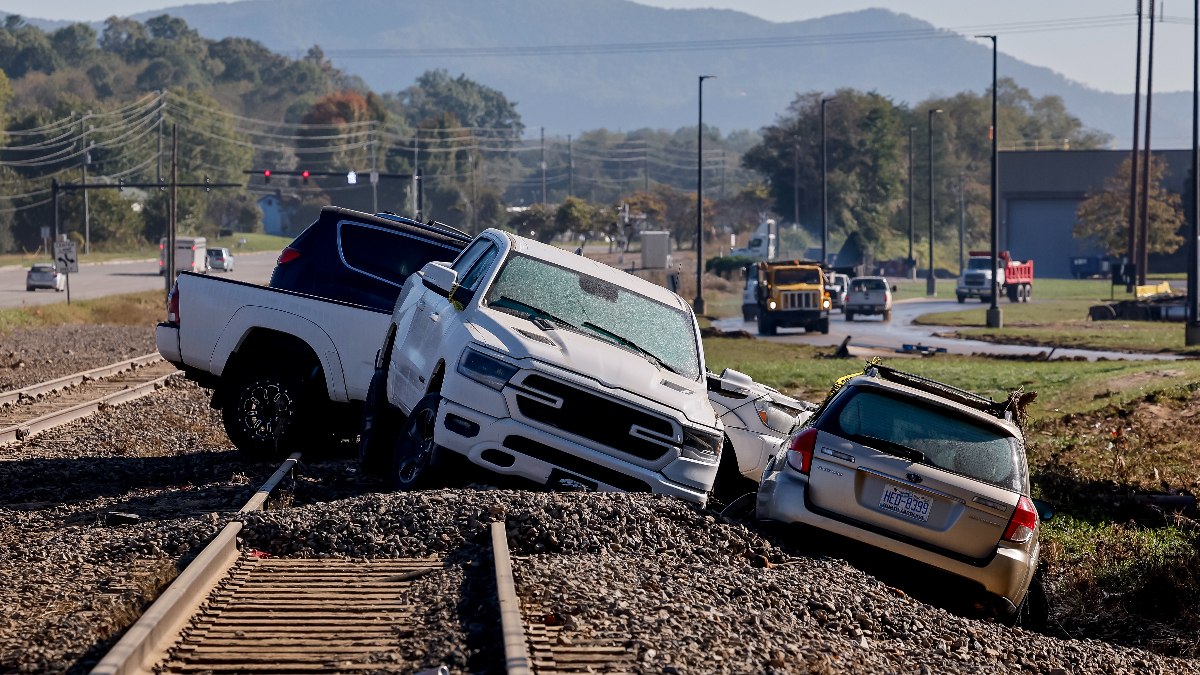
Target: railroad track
36	408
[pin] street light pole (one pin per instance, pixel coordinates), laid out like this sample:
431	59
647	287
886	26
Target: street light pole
995	318
911	262
1191	335
962	220
931	284
698	303
824	187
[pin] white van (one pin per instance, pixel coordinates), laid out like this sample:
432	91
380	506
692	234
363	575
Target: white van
191	255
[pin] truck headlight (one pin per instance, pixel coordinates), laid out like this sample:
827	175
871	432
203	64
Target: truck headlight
771	304
486	370
825	303
702	445
774	416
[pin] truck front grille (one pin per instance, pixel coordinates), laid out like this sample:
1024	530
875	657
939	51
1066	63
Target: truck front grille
800	300
976	279
599	419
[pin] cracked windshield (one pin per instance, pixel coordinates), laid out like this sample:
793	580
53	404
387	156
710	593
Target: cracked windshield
599	308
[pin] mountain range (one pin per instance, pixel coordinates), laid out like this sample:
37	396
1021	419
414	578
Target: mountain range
639	65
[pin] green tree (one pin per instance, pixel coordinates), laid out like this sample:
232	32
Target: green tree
536	221
1103	216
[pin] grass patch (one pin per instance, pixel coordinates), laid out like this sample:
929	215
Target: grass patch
132	309
1059	318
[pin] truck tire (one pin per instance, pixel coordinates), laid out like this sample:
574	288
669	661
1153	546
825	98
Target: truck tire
962	299
1028	292
849	315
416	455
380	428
1013	292
749	315
263	413
765	325
823	326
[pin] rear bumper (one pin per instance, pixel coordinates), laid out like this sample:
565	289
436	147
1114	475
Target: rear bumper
166	338
1006	577
867	309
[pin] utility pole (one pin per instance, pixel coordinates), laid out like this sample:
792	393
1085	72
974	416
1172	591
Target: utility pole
646	170
374	170
962	221
84	156
173	213
912	262
795	184
931	284
543	165
824	186
1191	334
995	316
722	174
570	169
1144	230
416	185
1130	280
698	304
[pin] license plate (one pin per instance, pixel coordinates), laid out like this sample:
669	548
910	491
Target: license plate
904	502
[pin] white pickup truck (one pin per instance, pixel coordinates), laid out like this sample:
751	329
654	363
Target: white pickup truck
533	362
290	364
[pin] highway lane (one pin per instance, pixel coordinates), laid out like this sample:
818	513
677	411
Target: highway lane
127	276
872	333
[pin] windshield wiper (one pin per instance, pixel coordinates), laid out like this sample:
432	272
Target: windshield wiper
622	340
532	312
891	447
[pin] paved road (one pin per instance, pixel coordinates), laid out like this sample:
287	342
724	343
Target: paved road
100	279
873	333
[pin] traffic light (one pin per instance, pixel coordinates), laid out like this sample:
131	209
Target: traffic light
304	175
207	183
267	176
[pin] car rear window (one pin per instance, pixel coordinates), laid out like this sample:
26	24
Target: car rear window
867	285
947	439
386	254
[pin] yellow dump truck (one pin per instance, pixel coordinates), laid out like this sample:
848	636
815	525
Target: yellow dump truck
791	293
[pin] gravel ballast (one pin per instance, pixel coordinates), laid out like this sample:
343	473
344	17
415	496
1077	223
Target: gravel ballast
692	592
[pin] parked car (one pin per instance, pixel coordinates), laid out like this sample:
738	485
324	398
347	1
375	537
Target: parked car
45	275
917	468
869	295
220	259
838	286
757	419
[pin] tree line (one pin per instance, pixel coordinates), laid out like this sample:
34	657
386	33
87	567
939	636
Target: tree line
73	100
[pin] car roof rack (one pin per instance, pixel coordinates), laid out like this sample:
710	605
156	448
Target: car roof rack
1000	409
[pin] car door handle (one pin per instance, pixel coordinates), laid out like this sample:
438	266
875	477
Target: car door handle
421	305
435	317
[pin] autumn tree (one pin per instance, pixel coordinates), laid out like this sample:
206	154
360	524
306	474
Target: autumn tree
1103	216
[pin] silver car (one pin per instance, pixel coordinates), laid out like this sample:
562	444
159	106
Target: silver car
220	259
923	470
44	275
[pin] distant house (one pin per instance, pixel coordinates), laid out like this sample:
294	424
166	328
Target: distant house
279	214
1040	191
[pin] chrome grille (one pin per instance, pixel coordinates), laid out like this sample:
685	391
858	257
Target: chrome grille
800	300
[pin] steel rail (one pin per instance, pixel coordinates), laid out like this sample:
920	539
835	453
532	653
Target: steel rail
50	386
54	418
160	626
516	653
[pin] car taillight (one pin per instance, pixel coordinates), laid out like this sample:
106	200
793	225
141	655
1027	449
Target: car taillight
287	255
1023	523
800	452
173	304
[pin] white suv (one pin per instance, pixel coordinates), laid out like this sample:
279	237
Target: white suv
533	362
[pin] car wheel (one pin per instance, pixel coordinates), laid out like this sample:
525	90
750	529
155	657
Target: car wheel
262	414
379	430
29	289
962	299
849	315
765	326
416	455
1034	612
823	326
887	315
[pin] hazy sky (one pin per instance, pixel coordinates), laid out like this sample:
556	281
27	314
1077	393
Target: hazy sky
1099	57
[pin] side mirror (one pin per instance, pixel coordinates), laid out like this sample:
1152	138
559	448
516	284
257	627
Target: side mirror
893	288
439	277
1045	510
